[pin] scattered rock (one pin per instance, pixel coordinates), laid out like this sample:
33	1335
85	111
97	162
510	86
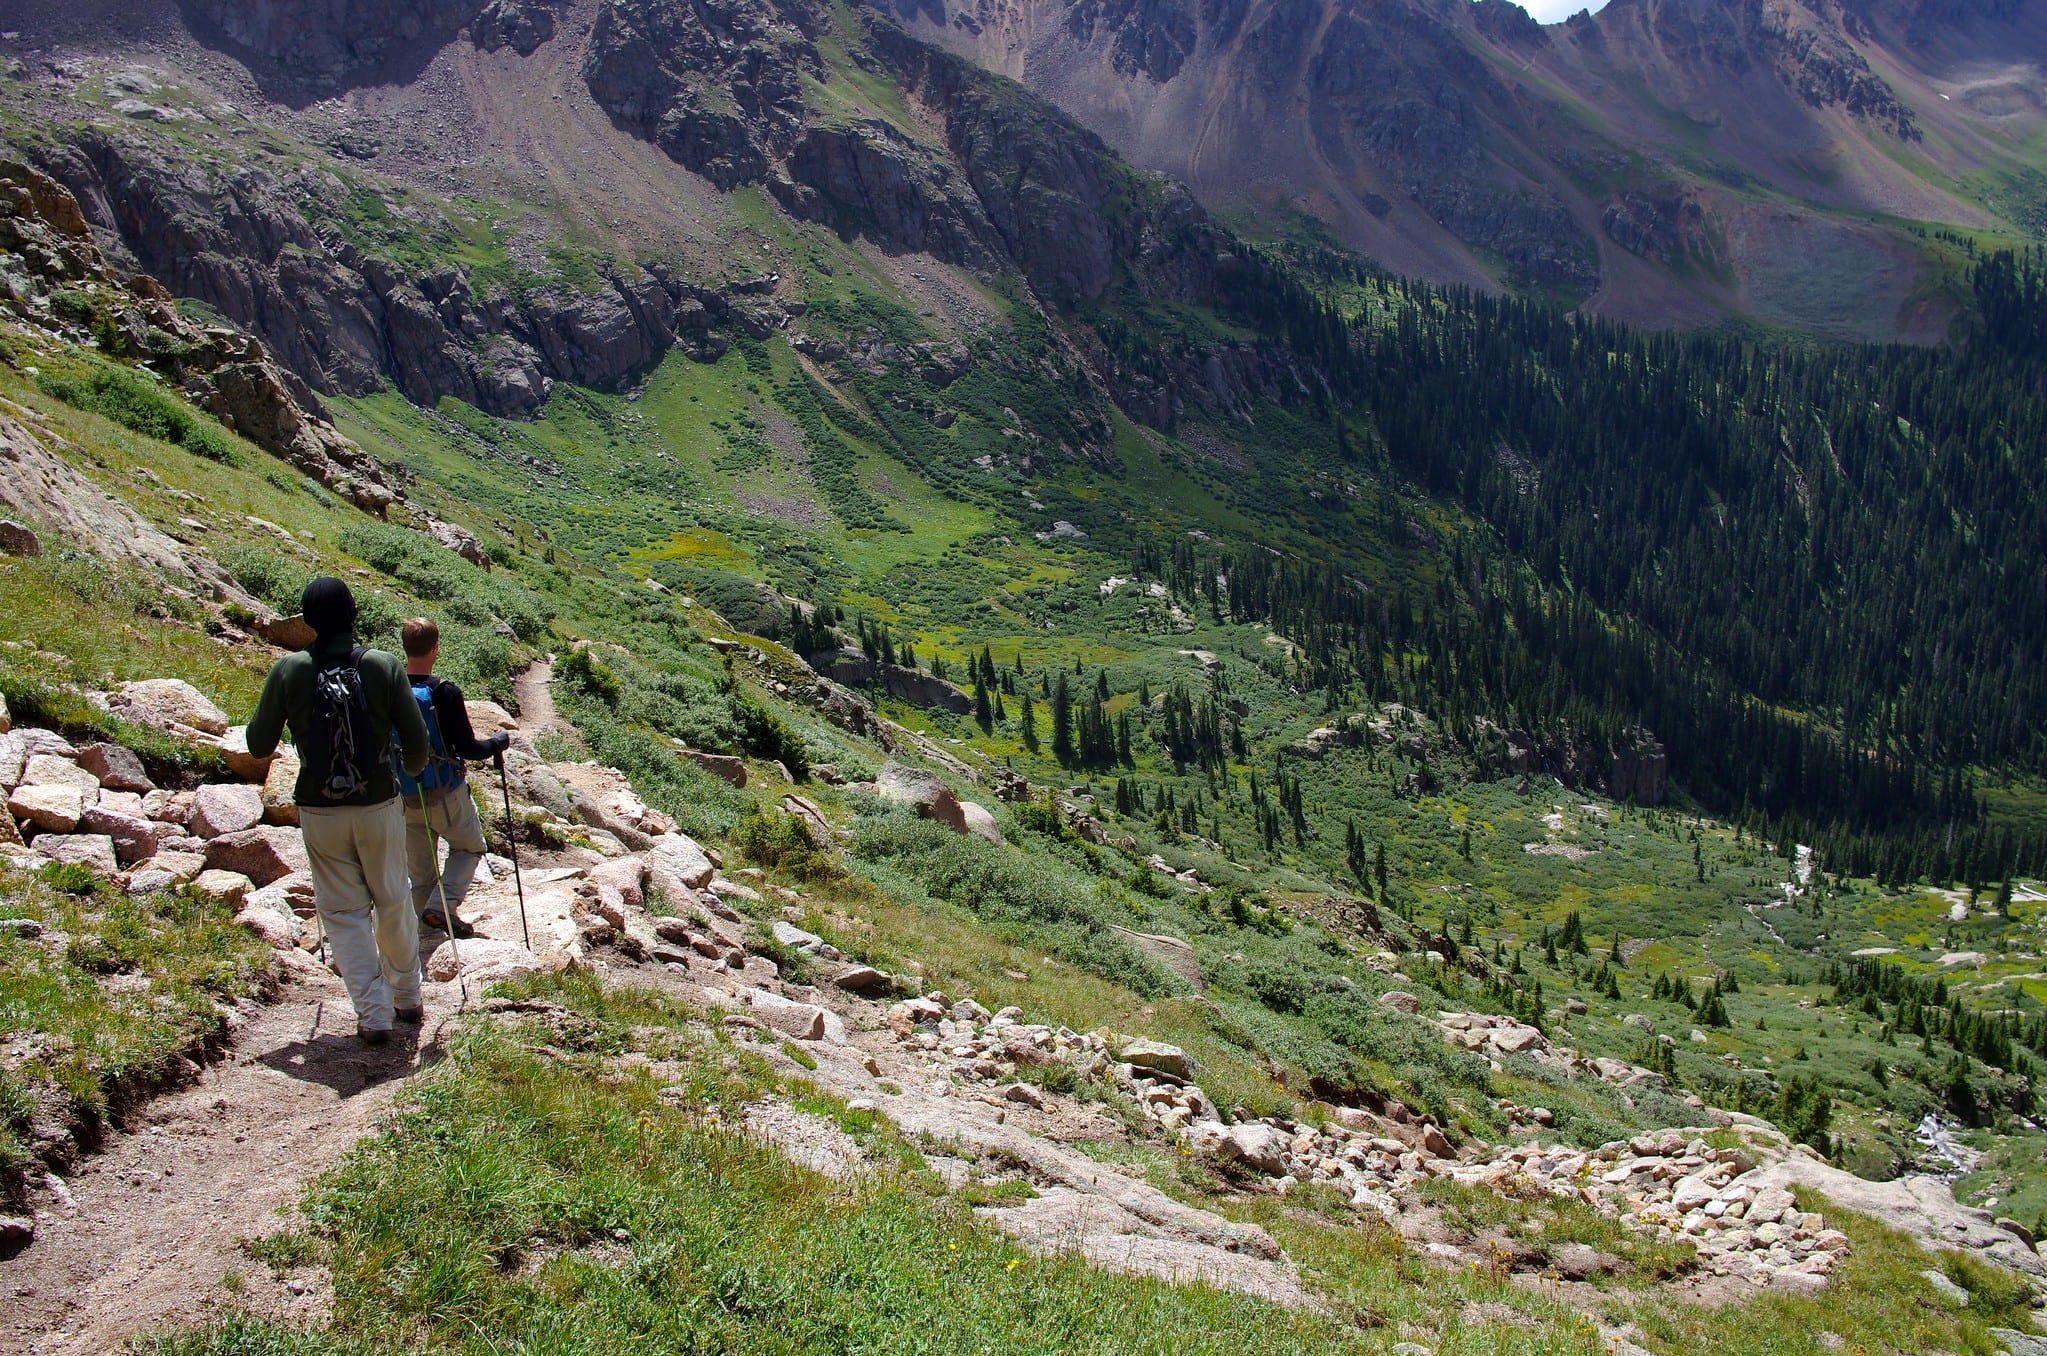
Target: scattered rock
134	838
1400	1001
223	887
18	539
864	980
1166	1059
676	860
479	958
94	850
225	807
1945	1288
47	769
116	766
1024	1094
234	746
52	809
267	923
160	701
280	790
16	1232
263	854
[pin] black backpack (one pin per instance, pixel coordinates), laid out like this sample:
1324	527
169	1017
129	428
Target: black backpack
343	757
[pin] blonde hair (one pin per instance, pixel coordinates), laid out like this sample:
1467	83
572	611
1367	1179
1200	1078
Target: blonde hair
420	636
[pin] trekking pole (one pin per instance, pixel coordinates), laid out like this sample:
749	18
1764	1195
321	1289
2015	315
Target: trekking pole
440	888
512	846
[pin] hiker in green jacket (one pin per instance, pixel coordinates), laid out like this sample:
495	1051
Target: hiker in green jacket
343	704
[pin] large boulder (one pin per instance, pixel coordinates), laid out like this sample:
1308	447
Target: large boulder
167	702
1257	1146
804	1021
922	791
980	821
263	854
116	766
95	850
50	809
677	860
225	807
1159	1057
723	766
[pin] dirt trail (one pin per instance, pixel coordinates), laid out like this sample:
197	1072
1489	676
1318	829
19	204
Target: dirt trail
151	1225
531	685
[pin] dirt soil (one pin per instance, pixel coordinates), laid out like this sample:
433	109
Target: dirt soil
147	1233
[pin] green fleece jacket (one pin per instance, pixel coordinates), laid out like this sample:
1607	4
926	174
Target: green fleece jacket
288	700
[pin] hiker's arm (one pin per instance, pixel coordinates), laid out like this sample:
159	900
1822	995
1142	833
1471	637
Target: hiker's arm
266	727
407	723
456	731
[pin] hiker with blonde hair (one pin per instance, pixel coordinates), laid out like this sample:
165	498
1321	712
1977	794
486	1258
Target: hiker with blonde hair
437	800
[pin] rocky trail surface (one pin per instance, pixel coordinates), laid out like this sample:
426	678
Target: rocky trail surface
147	1233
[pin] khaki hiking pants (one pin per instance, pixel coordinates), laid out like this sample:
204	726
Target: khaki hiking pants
357	854
455	823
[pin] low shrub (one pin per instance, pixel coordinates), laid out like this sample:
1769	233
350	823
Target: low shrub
139	403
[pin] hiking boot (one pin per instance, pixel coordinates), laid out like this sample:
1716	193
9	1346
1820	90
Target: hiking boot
411	1016
374	1035
461	931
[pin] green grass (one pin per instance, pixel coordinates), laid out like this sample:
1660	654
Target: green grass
108	997
520	1202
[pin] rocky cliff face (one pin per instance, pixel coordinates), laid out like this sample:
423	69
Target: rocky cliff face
47	248
245	243
324	44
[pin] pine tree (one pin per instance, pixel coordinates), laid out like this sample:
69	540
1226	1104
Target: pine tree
1028	725
1062	721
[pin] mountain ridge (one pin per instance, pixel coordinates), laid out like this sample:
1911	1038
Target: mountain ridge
1651	160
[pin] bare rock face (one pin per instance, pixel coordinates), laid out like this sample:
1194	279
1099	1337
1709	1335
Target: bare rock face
717	84
330	44
1640	770
522	25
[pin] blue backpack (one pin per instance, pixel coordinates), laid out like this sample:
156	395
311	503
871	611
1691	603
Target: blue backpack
442	769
